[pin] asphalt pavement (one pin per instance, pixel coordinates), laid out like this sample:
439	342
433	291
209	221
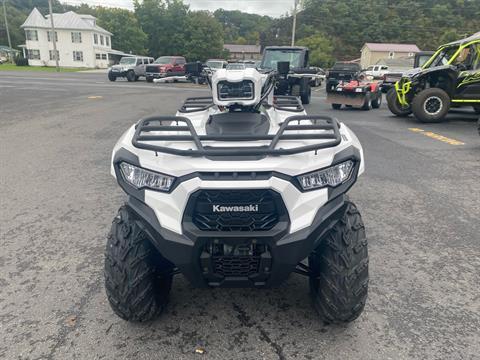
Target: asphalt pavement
419	197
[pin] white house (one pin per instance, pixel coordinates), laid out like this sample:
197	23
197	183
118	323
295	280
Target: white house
80	42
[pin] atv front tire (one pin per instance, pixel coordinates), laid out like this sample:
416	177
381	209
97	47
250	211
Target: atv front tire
339	266
336	106
431	105
395	107
137	278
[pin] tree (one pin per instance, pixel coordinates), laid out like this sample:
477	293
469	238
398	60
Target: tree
127	34
204	37
164	22
320	49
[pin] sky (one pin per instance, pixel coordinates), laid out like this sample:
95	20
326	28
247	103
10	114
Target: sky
274	8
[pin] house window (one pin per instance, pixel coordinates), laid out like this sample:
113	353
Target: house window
76	37
391	55
107	40
97	56
49	36
31	35
78	56
52	54
104	56
95	39
101	39
34	54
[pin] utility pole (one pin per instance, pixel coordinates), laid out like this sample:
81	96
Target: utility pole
53	37
294	21
6	27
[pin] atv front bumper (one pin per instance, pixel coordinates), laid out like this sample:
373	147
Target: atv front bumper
283	251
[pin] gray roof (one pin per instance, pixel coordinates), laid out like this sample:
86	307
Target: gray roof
384	47
252	49
69	20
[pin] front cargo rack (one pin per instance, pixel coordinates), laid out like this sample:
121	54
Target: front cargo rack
287	103
195	104
163	129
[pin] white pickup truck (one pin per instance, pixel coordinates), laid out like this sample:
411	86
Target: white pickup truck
377	71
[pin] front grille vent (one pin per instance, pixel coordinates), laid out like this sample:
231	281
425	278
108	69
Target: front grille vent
236	210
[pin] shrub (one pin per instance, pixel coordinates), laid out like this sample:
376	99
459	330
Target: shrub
21	61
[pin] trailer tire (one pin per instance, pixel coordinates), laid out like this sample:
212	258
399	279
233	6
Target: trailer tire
137	278
339	269
395	107
431	105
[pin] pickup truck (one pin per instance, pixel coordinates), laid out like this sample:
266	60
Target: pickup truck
166	66
377	71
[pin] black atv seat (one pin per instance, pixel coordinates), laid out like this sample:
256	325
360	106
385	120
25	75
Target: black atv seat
241	123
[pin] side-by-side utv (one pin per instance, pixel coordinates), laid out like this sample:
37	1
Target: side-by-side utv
451	78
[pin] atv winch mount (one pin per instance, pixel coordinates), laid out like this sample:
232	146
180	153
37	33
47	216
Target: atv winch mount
237	190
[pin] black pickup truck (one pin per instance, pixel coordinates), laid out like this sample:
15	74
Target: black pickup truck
342	72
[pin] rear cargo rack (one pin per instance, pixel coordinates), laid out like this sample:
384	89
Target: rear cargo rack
167	128
287	103
195	104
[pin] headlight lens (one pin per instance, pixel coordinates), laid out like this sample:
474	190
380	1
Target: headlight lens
333	176
141	178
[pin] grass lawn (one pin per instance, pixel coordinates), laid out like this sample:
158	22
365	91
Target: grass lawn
13	67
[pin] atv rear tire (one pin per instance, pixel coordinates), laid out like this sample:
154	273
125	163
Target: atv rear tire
130	76
339	280
431	105
395	107
367	104
378	101
337	106
306	93
137	278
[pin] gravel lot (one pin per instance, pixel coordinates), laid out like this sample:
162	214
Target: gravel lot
420	199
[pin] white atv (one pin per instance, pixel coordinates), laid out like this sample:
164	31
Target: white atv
237	190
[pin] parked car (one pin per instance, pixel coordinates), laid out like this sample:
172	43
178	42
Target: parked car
166	66
130	67
377	71
215	64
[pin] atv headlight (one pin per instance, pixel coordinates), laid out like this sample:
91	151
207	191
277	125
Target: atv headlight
141	178
333	176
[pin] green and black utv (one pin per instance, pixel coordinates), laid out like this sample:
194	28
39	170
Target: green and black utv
451	78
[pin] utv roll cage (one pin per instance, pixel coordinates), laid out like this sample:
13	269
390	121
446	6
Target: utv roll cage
142	138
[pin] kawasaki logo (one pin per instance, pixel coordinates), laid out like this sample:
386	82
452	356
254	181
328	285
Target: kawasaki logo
244	208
